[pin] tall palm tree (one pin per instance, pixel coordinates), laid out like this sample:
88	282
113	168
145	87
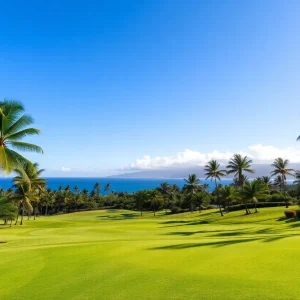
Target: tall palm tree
48	199
27	184
14	126
97	188
213	172
278	181
297	177
192	185
107	187
281	168
164	190
254	191
237	165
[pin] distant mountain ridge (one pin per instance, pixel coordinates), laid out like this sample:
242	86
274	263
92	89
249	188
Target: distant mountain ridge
260	170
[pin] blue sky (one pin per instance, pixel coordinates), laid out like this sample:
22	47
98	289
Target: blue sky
109	82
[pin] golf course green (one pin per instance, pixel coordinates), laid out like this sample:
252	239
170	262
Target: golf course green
119	255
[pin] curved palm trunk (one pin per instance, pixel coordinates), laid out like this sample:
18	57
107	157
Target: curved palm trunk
23	210
218	198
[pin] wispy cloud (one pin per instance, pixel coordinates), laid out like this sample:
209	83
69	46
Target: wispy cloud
258	153
64	169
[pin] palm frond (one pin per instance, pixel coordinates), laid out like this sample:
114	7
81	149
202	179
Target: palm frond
23	133
22	146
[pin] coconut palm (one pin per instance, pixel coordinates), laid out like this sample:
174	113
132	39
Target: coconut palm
97	188
237	165
14	126
107	187
280	168
28	184
213	172
192	185
278	181
254	191
164	190
47	200
297	177
229	194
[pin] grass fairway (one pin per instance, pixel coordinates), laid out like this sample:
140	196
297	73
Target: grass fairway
118	255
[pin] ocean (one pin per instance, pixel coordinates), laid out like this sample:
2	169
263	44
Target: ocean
117	184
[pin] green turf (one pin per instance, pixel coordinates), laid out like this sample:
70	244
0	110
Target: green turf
118	255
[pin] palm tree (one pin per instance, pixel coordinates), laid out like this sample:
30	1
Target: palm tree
229	194
14	126
297	177
164	190
213	172
237	165
97	188
254	191
278	181
27	184
48	199
192	185
280	168
107	187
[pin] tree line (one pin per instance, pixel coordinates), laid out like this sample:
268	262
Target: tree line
30	196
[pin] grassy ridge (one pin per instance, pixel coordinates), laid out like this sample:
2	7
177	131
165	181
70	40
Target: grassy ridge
118	255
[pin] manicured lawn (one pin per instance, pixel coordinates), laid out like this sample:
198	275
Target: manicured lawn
118	255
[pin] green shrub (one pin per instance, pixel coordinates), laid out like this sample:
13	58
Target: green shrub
290	214
175	210
259	205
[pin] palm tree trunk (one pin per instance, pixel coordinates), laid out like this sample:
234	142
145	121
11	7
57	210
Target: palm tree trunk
46	212
18	214
10	222
247	209
218	198
255	206
23	210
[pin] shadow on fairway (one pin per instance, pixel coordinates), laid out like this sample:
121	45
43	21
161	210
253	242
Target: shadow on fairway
118	217
196	245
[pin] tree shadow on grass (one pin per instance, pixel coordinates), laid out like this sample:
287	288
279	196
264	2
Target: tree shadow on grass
189	233
196	245
118	217
279	237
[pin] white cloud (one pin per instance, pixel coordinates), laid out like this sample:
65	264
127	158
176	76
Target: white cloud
64	169
258	153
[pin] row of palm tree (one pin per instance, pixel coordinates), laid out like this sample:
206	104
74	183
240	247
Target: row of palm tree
238	166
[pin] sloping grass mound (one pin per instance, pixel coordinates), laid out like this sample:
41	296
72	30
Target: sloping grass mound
120	255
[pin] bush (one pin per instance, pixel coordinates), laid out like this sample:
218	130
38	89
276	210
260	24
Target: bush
281	197
290	214
175	210
298	214
259	205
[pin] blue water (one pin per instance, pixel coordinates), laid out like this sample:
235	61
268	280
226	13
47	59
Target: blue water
117	184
